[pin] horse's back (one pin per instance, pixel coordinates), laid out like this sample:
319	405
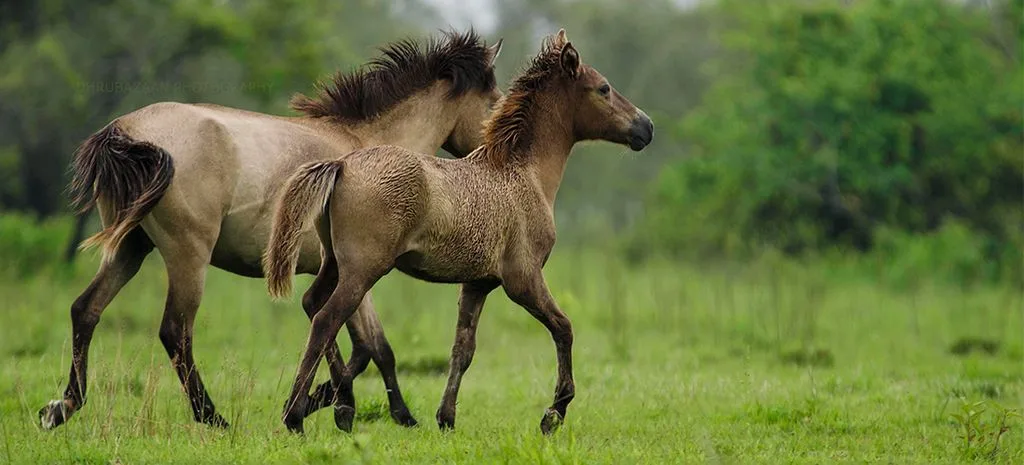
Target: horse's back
228	163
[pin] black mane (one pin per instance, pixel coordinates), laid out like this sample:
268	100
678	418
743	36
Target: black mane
403	69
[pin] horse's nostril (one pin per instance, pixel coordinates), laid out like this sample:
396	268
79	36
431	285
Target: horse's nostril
642	130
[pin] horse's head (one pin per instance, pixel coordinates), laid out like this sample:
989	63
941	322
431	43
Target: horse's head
599	111
472	108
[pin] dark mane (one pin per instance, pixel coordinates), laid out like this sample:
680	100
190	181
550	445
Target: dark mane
404	68
509	129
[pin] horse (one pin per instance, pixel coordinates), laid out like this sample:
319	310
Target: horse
197	183
484	221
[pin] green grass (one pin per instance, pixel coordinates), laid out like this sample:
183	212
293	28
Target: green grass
771	363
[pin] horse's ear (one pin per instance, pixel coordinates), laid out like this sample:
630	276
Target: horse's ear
560	38
493	52
570	60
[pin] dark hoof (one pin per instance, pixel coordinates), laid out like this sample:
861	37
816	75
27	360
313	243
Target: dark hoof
550	422
215	420
295	413
445	422
404	418
294	426
53	415
343	417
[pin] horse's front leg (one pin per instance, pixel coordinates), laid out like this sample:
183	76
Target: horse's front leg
533	295
471	302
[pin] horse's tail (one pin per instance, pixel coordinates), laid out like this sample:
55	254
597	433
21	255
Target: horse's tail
125	175
303	201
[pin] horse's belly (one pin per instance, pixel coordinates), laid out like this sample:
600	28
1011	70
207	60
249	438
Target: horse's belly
459	267
242	242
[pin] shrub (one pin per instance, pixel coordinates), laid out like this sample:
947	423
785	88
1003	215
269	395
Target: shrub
876	124
28	246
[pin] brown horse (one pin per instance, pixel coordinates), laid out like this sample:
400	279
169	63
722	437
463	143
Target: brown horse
198	181
485	220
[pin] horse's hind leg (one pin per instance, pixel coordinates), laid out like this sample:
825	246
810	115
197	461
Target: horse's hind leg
365	331
186	276
314	299
322	334
368	341
85	314
348	293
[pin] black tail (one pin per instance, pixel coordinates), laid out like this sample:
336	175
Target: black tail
127	175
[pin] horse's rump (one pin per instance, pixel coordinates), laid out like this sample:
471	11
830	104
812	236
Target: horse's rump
126	176
302	201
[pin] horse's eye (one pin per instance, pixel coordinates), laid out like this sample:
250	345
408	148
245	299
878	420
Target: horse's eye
604	89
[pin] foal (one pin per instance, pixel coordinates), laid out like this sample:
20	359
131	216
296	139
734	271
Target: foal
484	221
197	182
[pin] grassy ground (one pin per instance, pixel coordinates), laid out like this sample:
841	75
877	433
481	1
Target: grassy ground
764	364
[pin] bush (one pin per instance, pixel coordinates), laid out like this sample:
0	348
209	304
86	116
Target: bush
952	252
28	246
855	126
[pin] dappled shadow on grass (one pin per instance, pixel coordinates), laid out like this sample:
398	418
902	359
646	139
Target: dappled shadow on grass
808	357
425	366
966	345
990	389
28	350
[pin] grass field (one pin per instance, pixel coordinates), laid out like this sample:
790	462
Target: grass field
772	363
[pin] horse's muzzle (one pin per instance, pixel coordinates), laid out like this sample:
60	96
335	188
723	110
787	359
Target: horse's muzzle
641	132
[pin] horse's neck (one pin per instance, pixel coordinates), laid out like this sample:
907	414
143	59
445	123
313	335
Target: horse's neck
549	153
421	123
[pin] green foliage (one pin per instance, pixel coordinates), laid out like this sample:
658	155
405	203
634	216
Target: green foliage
953	252
981	429
837	123
68	68
28	246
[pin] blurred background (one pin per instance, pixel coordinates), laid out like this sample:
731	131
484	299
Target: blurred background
818	259
885	134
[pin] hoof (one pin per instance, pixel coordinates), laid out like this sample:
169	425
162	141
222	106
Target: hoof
343	417
295	413
550	422
294	427
404	418
215	420
445	422
53	415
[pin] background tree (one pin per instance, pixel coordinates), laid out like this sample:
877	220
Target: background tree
841	123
